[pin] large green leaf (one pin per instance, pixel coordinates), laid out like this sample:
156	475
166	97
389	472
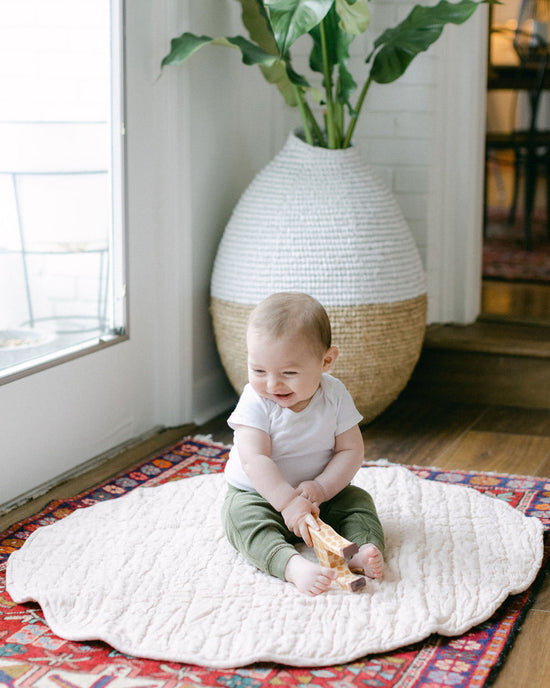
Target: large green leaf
183	47
338	42
294	77
252	54
283	75
278	76
256	21
397	47
187	44
291	19
354	15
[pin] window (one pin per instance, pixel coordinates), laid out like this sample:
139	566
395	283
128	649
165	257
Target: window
62	277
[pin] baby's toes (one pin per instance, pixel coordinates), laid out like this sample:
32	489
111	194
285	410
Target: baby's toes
373	562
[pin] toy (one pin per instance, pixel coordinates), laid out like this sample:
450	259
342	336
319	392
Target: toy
332	550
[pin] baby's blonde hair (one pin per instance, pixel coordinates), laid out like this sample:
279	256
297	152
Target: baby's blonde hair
287	313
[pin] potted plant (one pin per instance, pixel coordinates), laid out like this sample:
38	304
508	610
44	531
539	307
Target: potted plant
317	219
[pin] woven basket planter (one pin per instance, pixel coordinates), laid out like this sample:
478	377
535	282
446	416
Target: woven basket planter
319	221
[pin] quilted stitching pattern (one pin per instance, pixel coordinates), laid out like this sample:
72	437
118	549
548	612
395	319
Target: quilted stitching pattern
152	574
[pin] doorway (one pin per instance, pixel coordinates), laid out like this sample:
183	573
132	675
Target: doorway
516	252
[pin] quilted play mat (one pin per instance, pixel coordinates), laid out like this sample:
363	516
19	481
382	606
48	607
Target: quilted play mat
148	576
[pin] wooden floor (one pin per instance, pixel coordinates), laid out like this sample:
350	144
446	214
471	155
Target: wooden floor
521	302
414	430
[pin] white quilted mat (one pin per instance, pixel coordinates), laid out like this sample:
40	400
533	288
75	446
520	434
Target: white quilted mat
151	574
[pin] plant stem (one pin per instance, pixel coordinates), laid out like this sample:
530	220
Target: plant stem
304	114
331	138
339	111
355	116
317	131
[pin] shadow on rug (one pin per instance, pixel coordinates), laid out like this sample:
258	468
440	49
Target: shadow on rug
31	654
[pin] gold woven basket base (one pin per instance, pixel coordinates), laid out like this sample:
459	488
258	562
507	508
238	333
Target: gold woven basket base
379	347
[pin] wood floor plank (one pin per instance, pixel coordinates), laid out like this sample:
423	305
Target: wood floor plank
542	602
543	470
528	664
517	301
491	337
414	431
490	379
497	451
519	421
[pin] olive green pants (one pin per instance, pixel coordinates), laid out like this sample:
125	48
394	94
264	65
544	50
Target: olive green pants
258	531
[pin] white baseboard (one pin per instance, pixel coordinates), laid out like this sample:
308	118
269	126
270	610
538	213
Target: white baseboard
84	467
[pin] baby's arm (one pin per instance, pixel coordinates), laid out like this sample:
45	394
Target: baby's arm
348	456
312	490
254	447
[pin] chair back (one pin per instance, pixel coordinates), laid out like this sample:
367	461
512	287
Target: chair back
532	51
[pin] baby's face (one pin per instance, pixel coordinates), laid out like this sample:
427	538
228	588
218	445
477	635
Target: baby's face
286	370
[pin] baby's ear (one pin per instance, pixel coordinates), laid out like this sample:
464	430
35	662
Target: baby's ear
329	359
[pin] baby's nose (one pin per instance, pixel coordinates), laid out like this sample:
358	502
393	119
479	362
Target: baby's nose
273	383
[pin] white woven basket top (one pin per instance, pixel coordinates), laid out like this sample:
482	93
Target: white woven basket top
318	221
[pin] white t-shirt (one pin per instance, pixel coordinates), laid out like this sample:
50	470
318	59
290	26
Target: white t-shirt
302	443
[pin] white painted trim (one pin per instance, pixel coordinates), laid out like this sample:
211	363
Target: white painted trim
456	202
174	343
89	465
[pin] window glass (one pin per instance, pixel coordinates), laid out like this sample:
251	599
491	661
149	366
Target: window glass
61	226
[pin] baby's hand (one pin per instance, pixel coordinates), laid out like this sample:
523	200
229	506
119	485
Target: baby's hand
312	490
298	514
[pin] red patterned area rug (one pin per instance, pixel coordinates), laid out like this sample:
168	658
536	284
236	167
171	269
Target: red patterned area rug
32	656
504	254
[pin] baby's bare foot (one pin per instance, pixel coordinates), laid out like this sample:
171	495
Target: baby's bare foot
309	577
369	560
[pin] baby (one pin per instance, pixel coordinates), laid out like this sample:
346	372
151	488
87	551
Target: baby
297	445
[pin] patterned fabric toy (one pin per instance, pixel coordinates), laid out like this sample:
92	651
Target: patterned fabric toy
332	550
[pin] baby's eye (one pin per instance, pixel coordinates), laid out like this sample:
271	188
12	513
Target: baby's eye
258	371
290	373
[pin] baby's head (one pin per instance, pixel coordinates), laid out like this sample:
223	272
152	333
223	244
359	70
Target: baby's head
289	347
292	314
